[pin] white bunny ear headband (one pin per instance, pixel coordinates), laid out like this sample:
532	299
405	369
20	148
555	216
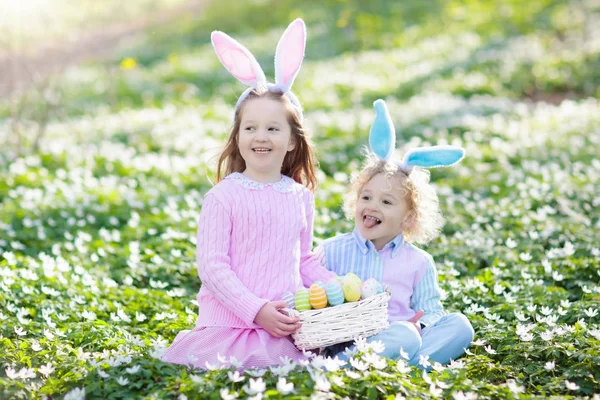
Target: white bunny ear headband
240	62
382	140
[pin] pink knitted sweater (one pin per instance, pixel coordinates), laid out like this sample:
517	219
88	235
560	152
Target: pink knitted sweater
254	244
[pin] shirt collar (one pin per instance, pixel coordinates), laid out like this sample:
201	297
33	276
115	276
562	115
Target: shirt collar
365	245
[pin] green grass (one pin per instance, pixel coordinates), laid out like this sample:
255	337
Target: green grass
97	243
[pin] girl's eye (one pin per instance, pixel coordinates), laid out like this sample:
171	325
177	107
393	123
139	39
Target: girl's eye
249	128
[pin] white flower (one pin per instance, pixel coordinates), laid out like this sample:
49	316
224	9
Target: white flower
403	354
361	344
235	362
490	350
256	372
235	376
211	367
75	394
546	310
550	365
478	342
571	385
595	333
375	360
89	315
322	384
334	364
435	392
424	361
531	308
102	374
402	367
352	375
284	387
510	243
11	373
456	364
140	317
548	335
46	369
255	386
513	387
359	365
590	312
377	346
133	370
20	331
525	257
225	395
122	381
350	352
526	337
520	316
565	303
464	396
36	346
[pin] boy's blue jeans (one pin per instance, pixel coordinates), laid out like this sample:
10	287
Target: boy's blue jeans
442	341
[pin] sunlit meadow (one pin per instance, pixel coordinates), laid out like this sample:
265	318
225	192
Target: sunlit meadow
97	228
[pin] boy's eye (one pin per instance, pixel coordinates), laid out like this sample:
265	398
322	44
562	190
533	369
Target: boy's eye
273	129
386	202
365	197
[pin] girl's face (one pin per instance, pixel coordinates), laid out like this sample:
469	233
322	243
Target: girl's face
382	211
265	137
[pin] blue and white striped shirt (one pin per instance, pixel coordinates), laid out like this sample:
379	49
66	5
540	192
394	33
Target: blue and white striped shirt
408	271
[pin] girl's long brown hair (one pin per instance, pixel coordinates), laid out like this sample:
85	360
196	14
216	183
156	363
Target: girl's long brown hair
299	164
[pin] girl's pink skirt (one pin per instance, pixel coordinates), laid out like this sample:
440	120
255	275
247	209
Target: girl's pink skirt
251	347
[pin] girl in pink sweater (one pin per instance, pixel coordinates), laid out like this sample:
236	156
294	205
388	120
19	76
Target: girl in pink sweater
255	229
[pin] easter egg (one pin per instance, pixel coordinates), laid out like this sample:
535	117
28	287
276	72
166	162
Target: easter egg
289	299
369	288
320	284
351	290
318	298
379	288
302	300
354	277
335	296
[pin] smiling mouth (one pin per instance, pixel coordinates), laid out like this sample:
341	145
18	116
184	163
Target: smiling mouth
261	150
369	221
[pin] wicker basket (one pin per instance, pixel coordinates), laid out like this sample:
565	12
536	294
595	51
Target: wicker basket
343	323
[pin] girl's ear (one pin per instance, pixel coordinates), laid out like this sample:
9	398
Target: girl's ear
292	144
238	60
289	54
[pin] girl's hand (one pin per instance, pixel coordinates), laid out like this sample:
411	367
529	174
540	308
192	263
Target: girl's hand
276	323
415	320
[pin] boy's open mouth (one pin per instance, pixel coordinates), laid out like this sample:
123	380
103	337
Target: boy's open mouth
369	221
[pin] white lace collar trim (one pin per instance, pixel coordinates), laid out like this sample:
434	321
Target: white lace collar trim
285	184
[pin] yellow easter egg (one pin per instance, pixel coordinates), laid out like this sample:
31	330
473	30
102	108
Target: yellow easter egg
318	297
354	277
351	290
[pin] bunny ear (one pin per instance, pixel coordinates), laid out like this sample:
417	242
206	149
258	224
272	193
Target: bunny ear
289	54
237	59
433	157
382	138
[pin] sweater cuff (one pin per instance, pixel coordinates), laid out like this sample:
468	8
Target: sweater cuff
249	306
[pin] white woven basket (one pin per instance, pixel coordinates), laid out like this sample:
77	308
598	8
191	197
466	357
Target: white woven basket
343	323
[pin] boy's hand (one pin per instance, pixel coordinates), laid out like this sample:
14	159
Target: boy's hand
415	320
273	321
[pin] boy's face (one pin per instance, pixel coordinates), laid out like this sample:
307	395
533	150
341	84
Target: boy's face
382	211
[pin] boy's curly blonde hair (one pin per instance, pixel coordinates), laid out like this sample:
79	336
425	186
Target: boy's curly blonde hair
427	219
